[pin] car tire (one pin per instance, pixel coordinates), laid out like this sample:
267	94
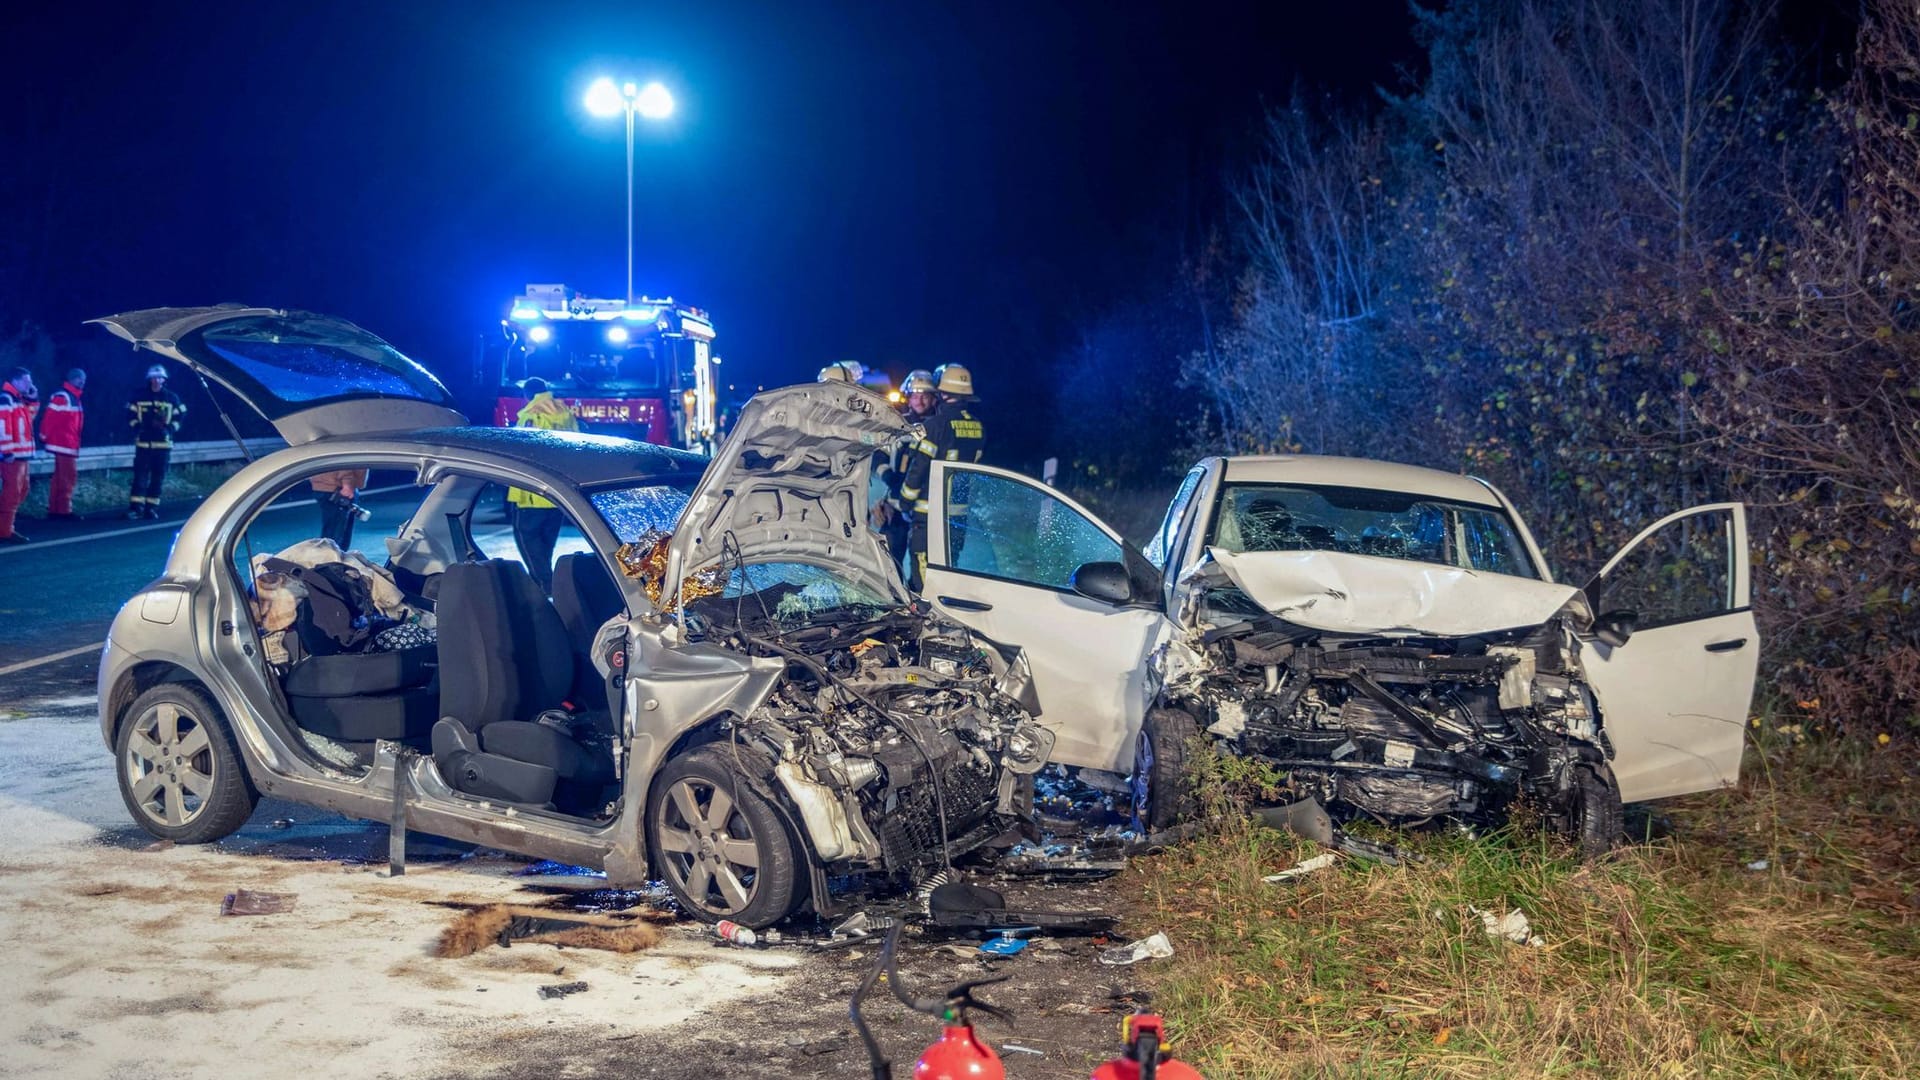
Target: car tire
179	769
1595	819
1163	793
740	864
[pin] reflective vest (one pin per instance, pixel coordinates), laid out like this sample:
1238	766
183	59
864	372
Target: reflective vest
155	416
16	423
549	414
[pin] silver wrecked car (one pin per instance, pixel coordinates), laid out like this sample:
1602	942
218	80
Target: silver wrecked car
728	687
1389	637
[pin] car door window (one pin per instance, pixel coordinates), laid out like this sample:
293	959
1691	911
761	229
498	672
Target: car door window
1021	532
1682	572
1160	549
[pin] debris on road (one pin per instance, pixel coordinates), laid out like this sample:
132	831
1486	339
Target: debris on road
1758	864
560	990
1016	1048
1318	862
959	906
248	902
505	924
1156	947
734	934
1513	926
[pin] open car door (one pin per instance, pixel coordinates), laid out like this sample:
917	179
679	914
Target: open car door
1674	696
1001	553
309	375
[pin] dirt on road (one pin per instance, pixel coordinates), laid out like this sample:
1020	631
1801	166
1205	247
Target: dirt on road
119	962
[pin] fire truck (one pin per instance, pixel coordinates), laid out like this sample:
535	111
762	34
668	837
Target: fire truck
644	370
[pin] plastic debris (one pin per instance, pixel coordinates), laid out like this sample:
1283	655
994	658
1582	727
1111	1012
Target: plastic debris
560	990
248	902
1016	1048
1318	862
1758	864
1156	947
1513	926
734	934
1008	942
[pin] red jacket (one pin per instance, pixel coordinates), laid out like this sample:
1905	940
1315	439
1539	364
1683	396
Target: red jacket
16	423
60	430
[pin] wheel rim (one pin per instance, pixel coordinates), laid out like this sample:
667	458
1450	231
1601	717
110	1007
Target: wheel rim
170	765
1143	779
709	847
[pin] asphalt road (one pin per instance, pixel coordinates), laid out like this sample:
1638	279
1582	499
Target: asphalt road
61	592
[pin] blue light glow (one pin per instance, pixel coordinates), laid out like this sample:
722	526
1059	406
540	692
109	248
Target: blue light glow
525	313
540	334
617	335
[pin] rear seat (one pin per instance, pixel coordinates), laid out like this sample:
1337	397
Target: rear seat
361	697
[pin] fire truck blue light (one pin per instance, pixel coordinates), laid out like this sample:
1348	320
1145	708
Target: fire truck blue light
524	313
617	335
540	334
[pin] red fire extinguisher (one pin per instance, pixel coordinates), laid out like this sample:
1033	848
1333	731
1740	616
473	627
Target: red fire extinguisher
1145	1056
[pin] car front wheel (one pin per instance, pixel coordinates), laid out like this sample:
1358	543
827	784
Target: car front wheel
722	848
1595	818
180	772
1162	792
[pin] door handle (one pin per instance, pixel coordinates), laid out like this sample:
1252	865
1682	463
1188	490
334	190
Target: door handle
958	604
1728	645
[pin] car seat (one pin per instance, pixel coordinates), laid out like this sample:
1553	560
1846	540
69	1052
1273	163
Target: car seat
586	597
507	665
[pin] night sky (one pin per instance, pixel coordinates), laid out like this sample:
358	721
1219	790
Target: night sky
894	183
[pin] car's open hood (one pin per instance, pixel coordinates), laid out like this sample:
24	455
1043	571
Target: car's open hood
790	485
1366	594
309	375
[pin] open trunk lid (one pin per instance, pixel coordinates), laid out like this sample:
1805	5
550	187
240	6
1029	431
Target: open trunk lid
309	375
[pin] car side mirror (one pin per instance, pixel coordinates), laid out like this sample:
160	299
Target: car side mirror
1106	582
1614	627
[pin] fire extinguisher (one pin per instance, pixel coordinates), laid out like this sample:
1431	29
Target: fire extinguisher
958	1054
1145	1056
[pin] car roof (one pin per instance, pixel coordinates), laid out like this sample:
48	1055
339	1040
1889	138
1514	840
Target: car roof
1358	473
583	458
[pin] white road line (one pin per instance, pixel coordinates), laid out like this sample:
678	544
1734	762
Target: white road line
21	549
53	659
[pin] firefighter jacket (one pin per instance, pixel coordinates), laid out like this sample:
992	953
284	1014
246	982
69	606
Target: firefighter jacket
954	433
60	427
549	414
16	423
155	416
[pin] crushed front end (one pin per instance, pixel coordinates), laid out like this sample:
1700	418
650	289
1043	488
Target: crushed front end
1402	728
897	739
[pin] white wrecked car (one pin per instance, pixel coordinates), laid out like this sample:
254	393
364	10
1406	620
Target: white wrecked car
1388	636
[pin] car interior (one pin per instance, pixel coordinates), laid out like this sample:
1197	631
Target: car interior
436	636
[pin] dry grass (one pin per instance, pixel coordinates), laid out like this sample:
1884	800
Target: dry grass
1669	958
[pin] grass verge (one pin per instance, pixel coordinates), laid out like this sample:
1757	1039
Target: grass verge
1670	957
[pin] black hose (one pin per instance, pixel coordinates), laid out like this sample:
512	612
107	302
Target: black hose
1148	1047
876	1058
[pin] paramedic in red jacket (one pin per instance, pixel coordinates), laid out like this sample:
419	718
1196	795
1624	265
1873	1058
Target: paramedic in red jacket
18	402
60	424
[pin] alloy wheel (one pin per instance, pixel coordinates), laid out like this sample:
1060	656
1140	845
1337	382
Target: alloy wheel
708	846
170	764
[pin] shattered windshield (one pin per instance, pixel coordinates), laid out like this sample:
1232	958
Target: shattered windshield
1363	521
652	507
796	593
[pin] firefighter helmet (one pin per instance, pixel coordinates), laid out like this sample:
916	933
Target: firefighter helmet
954	379
836	373
156	372
918	381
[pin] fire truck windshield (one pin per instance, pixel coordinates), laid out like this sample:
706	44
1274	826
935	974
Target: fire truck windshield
589	355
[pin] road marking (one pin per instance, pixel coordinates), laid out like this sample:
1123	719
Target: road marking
53	659
20	549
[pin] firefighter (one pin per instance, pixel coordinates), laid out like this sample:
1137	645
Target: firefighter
536	521
154	414
19	400
890	518
954	433
843	371
60	434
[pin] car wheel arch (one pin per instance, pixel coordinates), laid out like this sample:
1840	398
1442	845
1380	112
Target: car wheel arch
137	680
714	730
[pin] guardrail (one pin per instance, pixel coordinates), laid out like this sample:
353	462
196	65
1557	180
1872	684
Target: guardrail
121	457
